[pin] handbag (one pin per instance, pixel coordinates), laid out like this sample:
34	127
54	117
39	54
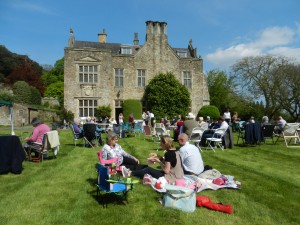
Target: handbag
180	198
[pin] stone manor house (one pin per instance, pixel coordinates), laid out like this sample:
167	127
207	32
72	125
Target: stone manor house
102	73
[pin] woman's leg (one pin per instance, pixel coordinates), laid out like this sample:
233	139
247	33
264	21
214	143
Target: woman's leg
148	170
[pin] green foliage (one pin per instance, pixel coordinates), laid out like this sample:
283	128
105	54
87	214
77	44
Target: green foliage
56	90
66	115
268	195
132	106
56	74
103	111
35	97
220	89
6	96
209	110
22	92
166	96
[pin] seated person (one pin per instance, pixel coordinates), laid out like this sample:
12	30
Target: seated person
77	129
113	150
279	125
220	123
190	156
36	139
179	125
98	131
170	164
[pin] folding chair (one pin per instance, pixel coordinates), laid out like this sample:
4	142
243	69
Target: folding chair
76	136
196	135
147	132
112	187
138	128
217	139
289	133
50	142
89	133
268	131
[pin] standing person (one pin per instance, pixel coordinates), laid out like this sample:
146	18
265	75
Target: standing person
190	156
170	164
121	118
227	116
151	116
37	135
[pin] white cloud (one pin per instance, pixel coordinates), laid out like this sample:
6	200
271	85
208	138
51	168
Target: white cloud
31	7
272	40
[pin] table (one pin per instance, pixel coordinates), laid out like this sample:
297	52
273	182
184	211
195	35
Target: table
12	154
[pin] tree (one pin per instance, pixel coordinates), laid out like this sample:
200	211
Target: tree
35	96
165	96
132	106
288	91
220	88
22	92
56	74
209	110
257	78
103	112
56	90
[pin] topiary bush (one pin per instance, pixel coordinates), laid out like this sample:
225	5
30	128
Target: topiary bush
209	110
133	106
103	112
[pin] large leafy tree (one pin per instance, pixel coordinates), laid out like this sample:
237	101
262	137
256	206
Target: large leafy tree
165	96
258	79
288	92
221	90
22	92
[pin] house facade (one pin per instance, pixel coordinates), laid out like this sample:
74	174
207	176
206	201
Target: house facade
102	73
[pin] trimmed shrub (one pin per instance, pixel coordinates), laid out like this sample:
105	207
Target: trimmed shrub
103	112
133	106
209	110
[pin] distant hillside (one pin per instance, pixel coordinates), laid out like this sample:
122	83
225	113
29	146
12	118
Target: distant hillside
14	67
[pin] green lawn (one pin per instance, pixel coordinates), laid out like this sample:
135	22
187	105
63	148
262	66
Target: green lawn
62	191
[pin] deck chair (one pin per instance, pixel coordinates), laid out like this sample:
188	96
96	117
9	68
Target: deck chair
113	188
138	128
76	136
268	131
49	143
147	132
241	134
160	131
290	133
195	136
89	133
216	139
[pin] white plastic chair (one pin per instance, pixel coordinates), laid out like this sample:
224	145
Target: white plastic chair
196	135
217	139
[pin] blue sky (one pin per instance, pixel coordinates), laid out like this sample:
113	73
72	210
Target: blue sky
222	31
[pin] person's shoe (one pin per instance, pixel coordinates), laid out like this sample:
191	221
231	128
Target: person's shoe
126	172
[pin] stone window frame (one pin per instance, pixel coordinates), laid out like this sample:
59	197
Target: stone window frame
187	79
118	103
126	50
141	77
182	54
119	77
89	73
87	107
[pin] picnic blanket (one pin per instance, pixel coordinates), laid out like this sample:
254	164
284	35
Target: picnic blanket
197	182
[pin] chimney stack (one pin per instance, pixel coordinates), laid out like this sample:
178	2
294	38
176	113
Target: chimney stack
102	37
136	39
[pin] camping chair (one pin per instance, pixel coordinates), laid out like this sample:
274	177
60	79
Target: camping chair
268	131
195	136
217	139
138	128
89	133
109	163
147	132
76	136
111	186
289	133
117	130
241	134
50	142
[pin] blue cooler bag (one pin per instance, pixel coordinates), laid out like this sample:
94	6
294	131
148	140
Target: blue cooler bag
180	198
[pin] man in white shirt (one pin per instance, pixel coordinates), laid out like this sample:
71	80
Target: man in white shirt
190	156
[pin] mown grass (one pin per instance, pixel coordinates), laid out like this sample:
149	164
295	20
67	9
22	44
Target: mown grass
62	190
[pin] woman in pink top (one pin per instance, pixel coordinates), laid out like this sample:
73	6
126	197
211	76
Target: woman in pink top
37	135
